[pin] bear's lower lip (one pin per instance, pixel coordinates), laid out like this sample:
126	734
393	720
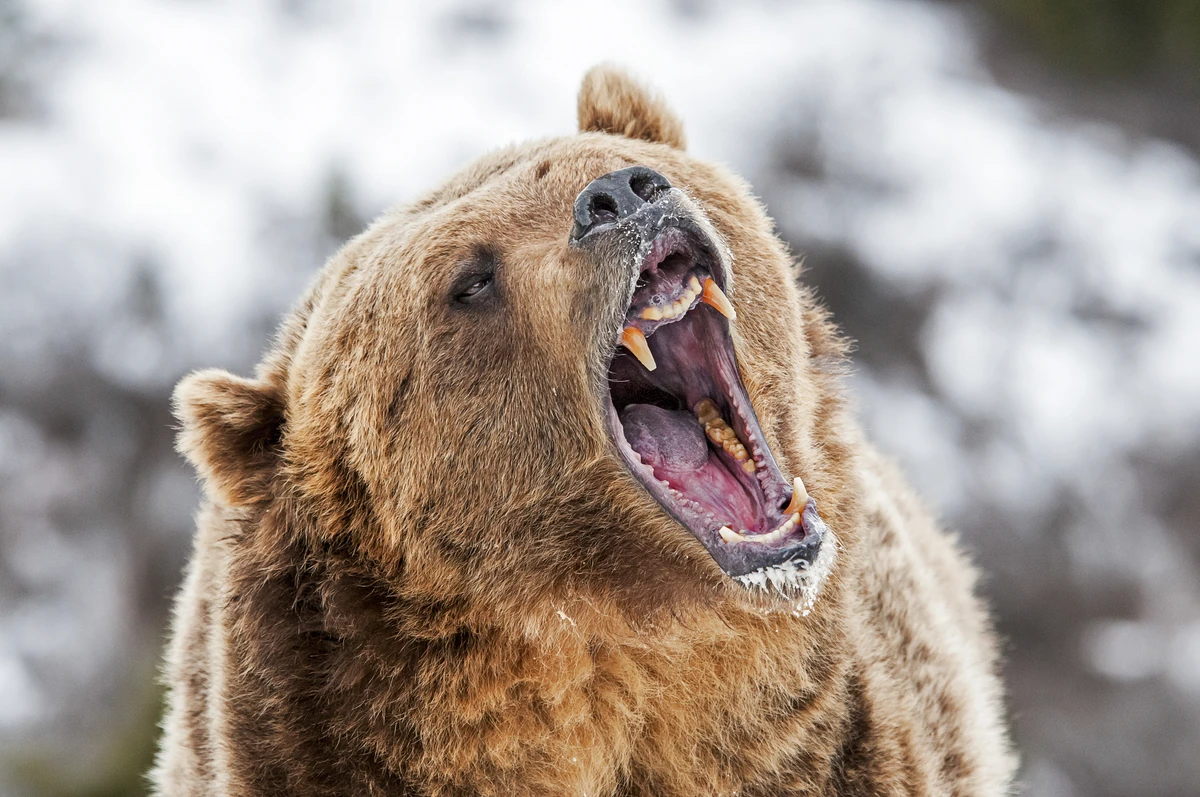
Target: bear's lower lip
684	426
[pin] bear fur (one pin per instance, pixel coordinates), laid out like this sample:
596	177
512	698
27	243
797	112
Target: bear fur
421	569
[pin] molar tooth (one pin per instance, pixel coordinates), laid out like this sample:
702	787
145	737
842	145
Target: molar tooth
748	466
799	498
634	339
652	314
706	411
694	284
716	298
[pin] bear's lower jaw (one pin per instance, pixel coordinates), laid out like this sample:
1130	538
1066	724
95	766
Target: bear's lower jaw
683	425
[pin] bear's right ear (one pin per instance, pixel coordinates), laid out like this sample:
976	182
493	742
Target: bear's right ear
610	101
231	433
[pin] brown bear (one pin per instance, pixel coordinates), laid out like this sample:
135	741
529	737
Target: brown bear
547	487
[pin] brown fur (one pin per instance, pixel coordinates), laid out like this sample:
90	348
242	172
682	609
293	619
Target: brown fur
421	568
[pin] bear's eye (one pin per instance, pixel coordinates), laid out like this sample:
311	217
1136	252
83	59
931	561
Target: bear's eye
474	288
476	280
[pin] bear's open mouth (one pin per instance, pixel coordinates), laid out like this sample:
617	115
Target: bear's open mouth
684	426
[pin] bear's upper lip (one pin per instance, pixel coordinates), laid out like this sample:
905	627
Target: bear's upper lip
683	424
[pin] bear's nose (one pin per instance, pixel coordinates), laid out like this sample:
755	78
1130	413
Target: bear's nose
616	196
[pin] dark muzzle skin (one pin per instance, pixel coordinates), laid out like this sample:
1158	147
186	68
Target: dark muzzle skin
635	218
614	197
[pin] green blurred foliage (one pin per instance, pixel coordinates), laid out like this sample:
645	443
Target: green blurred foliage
1111	37
121	770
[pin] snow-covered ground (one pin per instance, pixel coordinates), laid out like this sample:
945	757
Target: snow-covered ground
1026	291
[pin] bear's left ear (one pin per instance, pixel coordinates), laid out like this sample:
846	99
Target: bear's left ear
610	101
231	433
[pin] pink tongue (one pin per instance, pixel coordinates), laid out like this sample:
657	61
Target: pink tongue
673	444
667	441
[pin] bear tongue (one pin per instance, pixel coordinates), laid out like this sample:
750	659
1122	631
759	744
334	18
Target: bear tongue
674	445
667	441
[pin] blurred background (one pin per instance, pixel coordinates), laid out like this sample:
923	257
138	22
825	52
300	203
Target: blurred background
999	199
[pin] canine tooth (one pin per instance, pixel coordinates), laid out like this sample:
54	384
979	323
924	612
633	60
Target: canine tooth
694	284
729	535
652	314
716	298
799	498
634	339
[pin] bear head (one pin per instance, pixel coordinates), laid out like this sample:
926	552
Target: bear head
582	367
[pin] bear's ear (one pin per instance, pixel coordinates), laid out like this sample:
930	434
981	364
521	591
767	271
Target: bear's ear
610	101
231	433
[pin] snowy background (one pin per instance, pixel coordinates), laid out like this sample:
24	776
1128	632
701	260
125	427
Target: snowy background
1017	257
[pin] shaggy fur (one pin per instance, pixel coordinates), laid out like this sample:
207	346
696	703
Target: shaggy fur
422	570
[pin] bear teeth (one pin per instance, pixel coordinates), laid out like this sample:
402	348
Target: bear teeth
799	497
634	339
722	434
716	298
677	307
784	529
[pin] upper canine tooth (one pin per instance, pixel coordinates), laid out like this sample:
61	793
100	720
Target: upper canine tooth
652	314
716	298
634	339
799	498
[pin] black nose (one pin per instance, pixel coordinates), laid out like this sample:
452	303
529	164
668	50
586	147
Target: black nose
615	196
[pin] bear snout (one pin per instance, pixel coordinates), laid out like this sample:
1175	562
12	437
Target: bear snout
614	197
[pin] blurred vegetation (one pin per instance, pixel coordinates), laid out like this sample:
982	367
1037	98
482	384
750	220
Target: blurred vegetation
1110	37
120	771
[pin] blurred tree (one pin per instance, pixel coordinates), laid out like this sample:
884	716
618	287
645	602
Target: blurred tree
1113	37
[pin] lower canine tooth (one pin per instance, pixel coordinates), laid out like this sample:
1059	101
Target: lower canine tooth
729	535
799	498
634	339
